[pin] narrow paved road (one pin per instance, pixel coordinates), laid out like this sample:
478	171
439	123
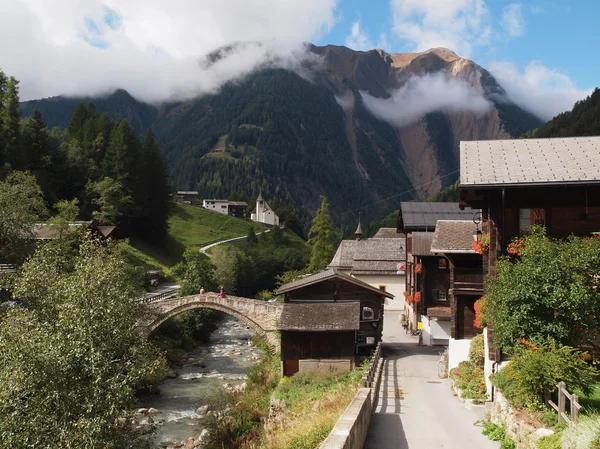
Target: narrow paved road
416	409
235	239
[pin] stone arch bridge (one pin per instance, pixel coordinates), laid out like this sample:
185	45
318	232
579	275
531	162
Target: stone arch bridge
262	317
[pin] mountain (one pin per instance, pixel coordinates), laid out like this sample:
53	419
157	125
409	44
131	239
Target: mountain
296	135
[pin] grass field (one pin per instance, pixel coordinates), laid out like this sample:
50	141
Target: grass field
189	226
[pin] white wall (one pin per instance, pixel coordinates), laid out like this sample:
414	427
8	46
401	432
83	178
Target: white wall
219	206
264	215
394	284
458	350
428	324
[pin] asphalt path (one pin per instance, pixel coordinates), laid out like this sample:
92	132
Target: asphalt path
235	239
416	409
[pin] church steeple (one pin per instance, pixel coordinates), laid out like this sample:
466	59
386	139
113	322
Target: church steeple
359	231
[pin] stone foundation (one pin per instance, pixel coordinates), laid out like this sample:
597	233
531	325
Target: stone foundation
325	365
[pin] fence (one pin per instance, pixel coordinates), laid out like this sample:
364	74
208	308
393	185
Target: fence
563	395
148	299
369	377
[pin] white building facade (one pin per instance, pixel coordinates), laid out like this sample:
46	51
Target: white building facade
220	206
263	213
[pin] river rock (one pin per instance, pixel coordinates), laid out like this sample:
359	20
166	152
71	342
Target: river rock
142	411
202	410
199	362
544	433
153	411
190	443
202	438
171	375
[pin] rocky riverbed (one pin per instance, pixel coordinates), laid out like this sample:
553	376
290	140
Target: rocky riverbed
183	397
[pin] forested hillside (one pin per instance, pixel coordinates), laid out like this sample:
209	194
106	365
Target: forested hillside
296	137
102	168
582	120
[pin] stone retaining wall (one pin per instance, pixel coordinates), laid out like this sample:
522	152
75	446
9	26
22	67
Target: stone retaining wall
351	429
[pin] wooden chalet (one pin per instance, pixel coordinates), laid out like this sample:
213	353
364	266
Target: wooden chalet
454	239
517	183
418	220
45	231
187	197
330	320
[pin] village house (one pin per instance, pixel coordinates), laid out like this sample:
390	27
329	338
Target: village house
226	207
330	321
45	231
263	213
420	219
518	183
378	261
454	239
187	197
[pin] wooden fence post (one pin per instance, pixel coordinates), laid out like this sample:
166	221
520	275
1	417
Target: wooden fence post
561	401
574	408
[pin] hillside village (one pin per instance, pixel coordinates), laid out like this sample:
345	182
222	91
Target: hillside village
216	234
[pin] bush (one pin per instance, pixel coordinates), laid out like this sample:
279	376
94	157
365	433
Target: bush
583	435
477	351
549	442
533	368
470	380
496	432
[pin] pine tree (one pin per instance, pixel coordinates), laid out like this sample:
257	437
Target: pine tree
155	179
3	82
80	117
321	238
11	124
36	141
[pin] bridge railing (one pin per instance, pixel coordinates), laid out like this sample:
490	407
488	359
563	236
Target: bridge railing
370	376
149	298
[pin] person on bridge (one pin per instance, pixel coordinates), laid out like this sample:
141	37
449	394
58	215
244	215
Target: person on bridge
222	293
202	291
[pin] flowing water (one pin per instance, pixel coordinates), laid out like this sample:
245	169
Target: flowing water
222	361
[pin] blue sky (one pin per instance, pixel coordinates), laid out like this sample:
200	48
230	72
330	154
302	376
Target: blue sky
562	35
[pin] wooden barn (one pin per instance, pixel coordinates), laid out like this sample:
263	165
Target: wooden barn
330	321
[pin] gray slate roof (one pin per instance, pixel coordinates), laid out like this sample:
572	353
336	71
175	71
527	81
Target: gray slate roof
421	243
324	276
371	256
388	233
453	236
423	216
319	316
530	161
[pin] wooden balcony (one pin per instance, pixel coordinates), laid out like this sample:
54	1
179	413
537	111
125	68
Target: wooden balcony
468	279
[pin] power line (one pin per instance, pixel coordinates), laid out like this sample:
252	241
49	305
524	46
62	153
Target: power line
401	193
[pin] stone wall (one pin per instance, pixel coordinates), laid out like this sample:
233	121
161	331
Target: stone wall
325	365
351	429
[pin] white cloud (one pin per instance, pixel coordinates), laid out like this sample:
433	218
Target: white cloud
512	21
383	43
151	50
358	40
425	94
541	90
458	24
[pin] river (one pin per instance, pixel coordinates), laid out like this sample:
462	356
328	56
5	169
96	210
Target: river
209	366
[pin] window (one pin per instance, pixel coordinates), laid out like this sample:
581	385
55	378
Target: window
442	264
527	217
224	206
368	313
442	295
383	288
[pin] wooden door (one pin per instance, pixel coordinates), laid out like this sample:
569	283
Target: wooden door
290	367
465	317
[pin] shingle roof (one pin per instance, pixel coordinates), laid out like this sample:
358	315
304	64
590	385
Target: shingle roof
453	236
388	233
530	161
344	255
106	230
43	231
187	192
421	243
324	276
439	312
319	316
423	216
238	203
370	256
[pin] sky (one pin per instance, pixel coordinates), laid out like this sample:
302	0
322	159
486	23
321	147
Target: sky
543	52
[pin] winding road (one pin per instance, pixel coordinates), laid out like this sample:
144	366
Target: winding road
235	239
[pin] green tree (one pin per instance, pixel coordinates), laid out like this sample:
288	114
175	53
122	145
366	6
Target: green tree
196	271
320	237
67	212
110	200
11	122
156	207
22	205
71	363
547	289
251	237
